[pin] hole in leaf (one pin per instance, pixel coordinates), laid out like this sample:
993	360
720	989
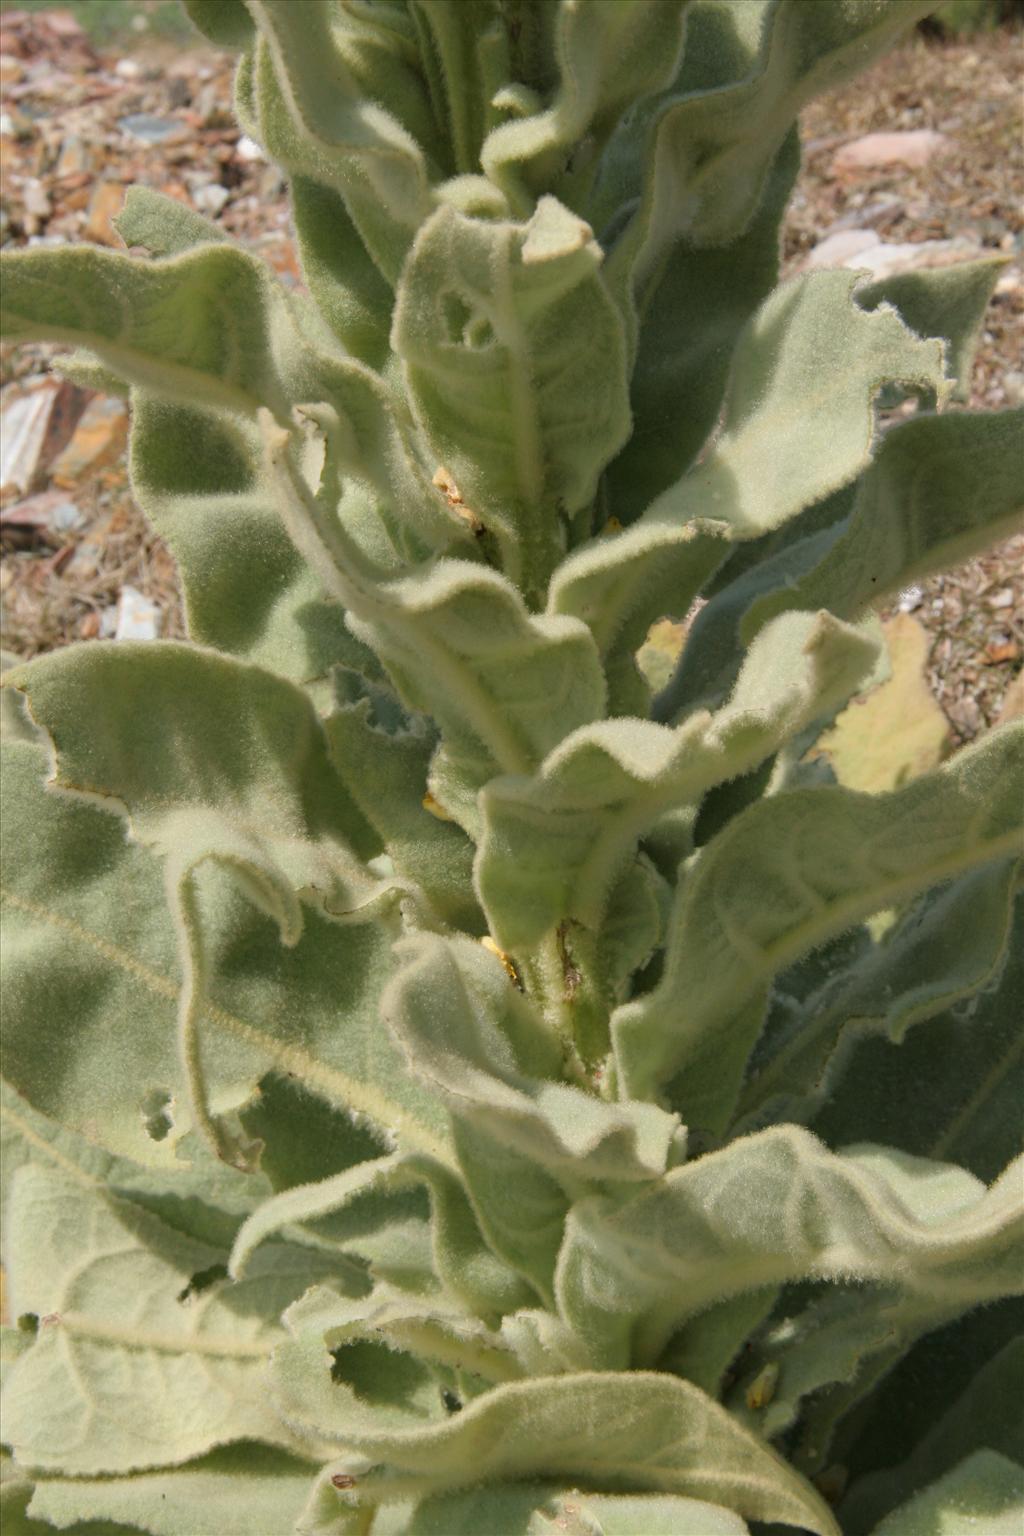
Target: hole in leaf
456	313
465	326
202	1280
478	332
377	1374
156	1113
28	1322
450	1401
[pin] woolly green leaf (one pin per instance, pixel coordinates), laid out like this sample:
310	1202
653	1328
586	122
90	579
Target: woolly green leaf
239	1491
525	1231
941	301
713	654
15	721
626	1432
756	66
196	476
793	431
691	322
631	1271
349	290
619	583
987	1415
93	981
313	119
765	891
483	1049
427	1335
385	770
126	1308
941	489
163	225
207	325
205	1200
213	741
226	23
817	1361
503	685
707	1345
458	642
608	57
983	1487
951	1088
923	965
258	798
461	1260
554	844
516	1509
515	364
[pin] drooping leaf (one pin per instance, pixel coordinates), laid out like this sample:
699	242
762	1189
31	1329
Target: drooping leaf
385	769
206	325
162	225
690	323
242	1490
923	966
631	1271
113	971
554	844
461	1259
766	891
792	432
633	1431
941	301
322	129
608	57
983	1487
967	1066
940	489
757	65
485	1051
619	583
120	1311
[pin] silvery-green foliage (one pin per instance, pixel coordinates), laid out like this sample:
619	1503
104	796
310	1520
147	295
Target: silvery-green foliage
451	1088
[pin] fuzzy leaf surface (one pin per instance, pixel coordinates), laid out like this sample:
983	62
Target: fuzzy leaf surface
761	894
635	1431
630	1272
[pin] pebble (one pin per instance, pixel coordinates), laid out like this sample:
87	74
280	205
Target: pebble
74	157
137	618
150	129
104	206
862	250
913	147
98	439
211	198
37	417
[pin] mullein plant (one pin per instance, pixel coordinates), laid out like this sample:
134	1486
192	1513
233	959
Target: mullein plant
461	1078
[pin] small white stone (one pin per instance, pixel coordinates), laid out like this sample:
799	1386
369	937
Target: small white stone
248	149
839	249
137	618
210	199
